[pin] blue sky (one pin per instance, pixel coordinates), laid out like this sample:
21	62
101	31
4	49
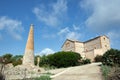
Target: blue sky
55	21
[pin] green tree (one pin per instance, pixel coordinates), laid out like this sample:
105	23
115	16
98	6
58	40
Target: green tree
111	57
64	59
44	60
86	61
98	58
7	58
17	60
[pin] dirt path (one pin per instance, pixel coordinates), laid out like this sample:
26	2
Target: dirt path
86	72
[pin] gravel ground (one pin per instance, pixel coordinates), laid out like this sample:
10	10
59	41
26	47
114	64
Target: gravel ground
85	72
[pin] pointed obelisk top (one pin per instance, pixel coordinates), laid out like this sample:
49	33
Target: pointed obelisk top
31	25
28	58
30	41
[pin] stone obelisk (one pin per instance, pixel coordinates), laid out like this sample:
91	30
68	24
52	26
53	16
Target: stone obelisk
28	58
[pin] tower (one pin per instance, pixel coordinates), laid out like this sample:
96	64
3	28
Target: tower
28	58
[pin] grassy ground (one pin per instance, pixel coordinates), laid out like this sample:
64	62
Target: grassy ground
44	77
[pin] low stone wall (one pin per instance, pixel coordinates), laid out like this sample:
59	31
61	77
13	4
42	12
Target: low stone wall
21	72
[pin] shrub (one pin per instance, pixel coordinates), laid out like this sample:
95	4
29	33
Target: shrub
114	74
48	67
111	57
86	61
7	58
98	58
44	61
110	73
64	59
105	71
16	60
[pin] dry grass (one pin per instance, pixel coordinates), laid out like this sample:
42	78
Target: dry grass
114	73
110	73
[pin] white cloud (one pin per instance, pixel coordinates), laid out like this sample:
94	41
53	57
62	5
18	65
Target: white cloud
47	51
12	27
114	39
76	27
51	17
104	18
113	35
105	14
73	35
67	33
64	31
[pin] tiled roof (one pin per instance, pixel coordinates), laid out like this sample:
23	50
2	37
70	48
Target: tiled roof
73	40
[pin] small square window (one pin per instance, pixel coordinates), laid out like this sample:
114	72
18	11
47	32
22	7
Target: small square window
104	38
68	44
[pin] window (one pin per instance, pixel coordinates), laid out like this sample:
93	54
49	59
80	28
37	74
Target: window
104	38
67	44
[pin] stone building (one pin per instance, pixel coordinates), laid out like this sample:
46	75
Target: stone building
88	49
